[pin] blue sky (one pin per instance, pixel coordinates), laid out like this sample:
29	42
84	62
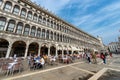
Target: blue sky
96	17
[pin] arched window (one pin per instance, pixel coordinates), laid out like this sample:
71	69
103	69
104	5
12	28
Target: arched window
54	25
51	24
48	22
35	17
51	36
44	21
43	33
23	12
57	27
2	23
29	16
55	37
61	38
33	31
11	25
8	6
40	19
1	1
47	34
27	29
39	32
16	9
19	28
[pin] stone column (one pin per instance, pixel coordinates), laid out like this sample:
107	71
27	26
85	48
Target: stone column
23	29
26	51
9	49
56	52
30	31
6	25
36	32
39	49
62	53
15	27
2	5
49	51
12	7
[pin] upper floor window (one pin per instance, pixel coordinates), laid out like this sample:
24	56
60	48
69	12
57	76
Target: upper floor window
52	24
29	16
44	20
55	37
11	25
48	22
43	33
39	32
51	36
2	23
33	30
8	6
47	35
19	28
27	29
16	10
23	12
40	19
35	17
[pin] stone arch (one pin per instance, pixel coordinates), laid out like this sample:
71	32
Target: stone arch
33	49
44	49
23	12
11	25
59	49
7	6
19	28
16	10
18	48
52	50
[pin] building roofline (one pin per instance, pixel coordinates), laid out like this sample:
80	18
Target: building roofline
53	15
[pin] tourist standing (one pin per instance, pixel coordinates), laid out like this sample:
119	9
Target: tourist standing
103	57
88	57
94	57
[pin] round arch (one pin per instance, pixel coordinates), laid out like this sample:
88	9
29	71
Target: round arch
44	49
33	49
18	48
53	50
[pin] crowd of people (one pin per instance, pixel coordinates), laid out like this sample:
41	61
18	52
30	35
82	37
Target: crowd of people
40	61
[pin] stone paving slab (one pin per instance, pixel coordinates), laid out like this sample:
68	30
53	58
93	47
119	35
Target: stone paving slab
66	73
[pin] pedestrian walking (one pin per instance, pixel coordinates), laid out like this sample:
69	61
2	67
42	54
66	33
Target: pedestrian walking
94	57
103	57
88	57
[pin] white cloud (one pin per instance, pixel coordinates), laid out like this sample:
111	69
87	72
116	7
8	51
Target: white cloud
52	5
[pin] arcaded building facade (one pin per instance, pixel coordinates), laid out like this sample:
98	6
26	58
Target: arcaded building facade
26	28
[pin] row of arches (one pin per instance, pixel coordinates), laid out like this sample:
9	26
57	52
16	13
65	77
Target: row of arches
20	48
30	15
28	30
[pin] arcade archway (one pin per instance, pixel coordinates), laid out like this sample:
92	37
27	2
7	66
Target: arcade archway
33	49
18	48
3	47
44	50
52	50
